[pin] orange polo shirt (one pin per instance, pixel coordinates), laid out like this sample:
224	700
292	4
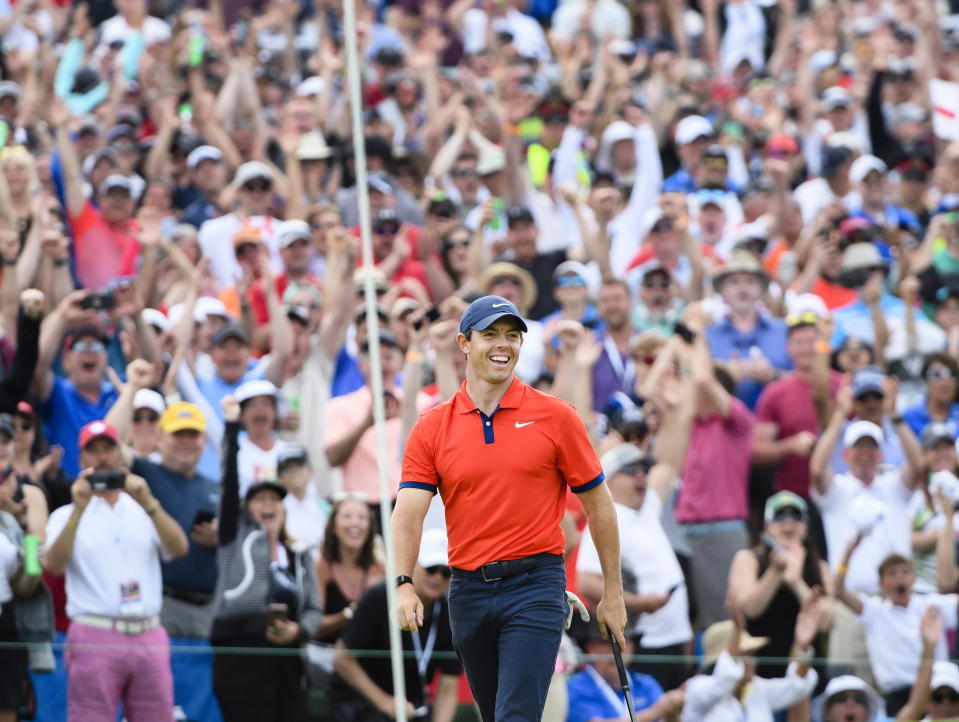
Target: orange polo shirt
503	477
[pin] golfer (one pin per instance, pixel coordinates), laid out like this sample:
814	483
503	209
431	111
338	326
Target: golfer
501	455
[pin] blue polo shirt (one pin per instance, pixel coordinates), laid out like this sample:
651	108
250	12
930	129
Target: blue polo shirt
767	338
182	497
66	412
589	701
855	319
918	416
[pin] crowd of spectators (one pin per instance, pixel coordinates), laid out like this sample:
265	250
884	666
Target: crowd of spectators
733	231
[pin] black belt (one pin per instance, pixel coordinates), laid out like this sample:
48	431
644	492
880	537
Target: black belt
494	571
198	598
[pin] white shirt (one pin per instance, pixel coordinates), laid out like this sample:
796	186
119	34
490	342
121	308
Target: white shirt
216	239
893	639
308	392
709	697
116	28
890	535
528	36
114	570
609	18
306	518
9	566
647	554
255	464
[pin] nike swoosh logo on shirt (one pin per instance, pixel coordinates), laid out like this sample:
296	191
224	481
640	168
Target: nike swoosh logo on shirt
497	305
525	423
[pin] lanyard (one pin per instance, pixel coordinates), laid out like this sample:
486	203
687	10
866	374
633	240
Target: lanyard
619	703
423	654
624	372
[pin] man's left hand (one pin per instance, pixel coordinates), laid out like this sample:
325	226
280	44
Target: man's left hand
283	632
205	534
611	616
137	487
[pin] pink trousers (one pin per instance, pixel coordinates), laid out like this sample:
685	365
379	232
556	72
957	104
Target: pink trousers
105	668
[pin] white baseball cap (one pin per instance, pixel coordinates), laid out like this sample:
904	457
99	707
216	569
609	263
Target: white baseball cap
692	127
251	389
155	318
204	152
864	165
433	548
251	170
945	674
207	306
860	430
149	399
293	230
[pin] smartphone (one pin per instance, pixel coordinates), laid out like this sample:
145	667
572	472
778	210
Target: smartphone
278	612
672	589
432	315
107	480
203	516
98	302
770	542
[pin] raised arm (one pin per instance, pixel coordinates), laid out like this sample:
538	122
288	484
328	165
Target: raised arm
67	314
947	575
820	474
930	628
228	519
850	599
69	163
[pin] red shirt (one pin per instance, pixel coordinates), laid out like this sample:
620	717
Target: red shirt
787	402
716	470
103	250
503	478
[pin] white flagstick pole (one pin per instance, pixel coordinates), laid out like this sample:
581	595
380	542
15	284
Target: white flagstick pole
353	75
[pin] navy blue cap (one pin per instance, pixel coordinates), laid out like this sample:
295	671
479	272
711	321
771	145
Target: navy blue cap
485	311
866	380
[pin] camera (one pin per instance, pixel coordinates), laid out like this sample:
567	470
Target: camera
107	480
98	302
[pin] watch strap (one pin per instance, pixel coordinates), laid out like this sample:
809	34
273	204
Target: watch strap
403	579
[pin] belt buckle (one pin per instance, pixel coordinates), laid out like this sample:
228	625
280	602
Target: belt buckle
492	579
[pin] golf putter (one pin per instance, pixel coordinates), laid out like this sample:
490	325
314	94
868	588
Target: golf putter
623	677
575	604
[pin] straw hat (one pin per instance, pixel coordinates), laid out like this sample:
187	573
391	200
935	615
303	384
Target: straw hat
741	261
505	268
716	637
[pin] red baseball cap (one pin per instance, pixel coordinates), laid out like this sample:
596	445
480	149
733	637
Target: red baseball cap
852	224
782	143
97	429
25	409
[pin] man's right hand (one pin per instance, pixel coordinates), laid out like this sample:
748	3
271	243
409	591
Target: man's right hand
409	608
81	491
71	311
387	705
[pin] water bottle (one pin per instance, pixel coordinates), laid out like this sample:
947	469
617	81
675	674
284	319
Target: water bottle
31	555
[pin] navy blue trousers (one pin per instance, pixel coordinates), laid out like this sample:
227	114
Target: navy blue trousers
507	635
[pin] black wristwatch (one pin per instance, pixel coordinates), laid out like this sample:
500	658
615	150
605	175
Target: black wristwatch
403	579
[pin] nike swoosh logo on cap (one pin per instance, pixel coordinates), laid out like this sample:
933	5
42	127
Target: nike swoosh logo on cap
497	305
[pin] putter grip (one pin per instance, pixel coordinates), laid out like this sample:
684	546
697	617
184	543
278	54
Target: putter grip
618	657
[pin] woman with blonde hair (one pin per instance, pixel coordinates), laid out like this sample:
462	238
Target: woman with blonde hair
18	184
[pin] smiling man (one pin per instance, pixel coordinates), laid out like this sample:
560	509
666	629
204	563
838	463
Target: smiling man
502	455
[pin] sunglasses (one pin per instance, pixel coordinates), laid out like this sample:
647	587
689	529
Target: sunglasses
806	318
261	187
380	291
870	396
444	213
570	281
439	569
505	279
661	226
940	373
151	418
940	696
387	229
89	347
634	469
464	173
789	513
22	425
454	243
656	283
